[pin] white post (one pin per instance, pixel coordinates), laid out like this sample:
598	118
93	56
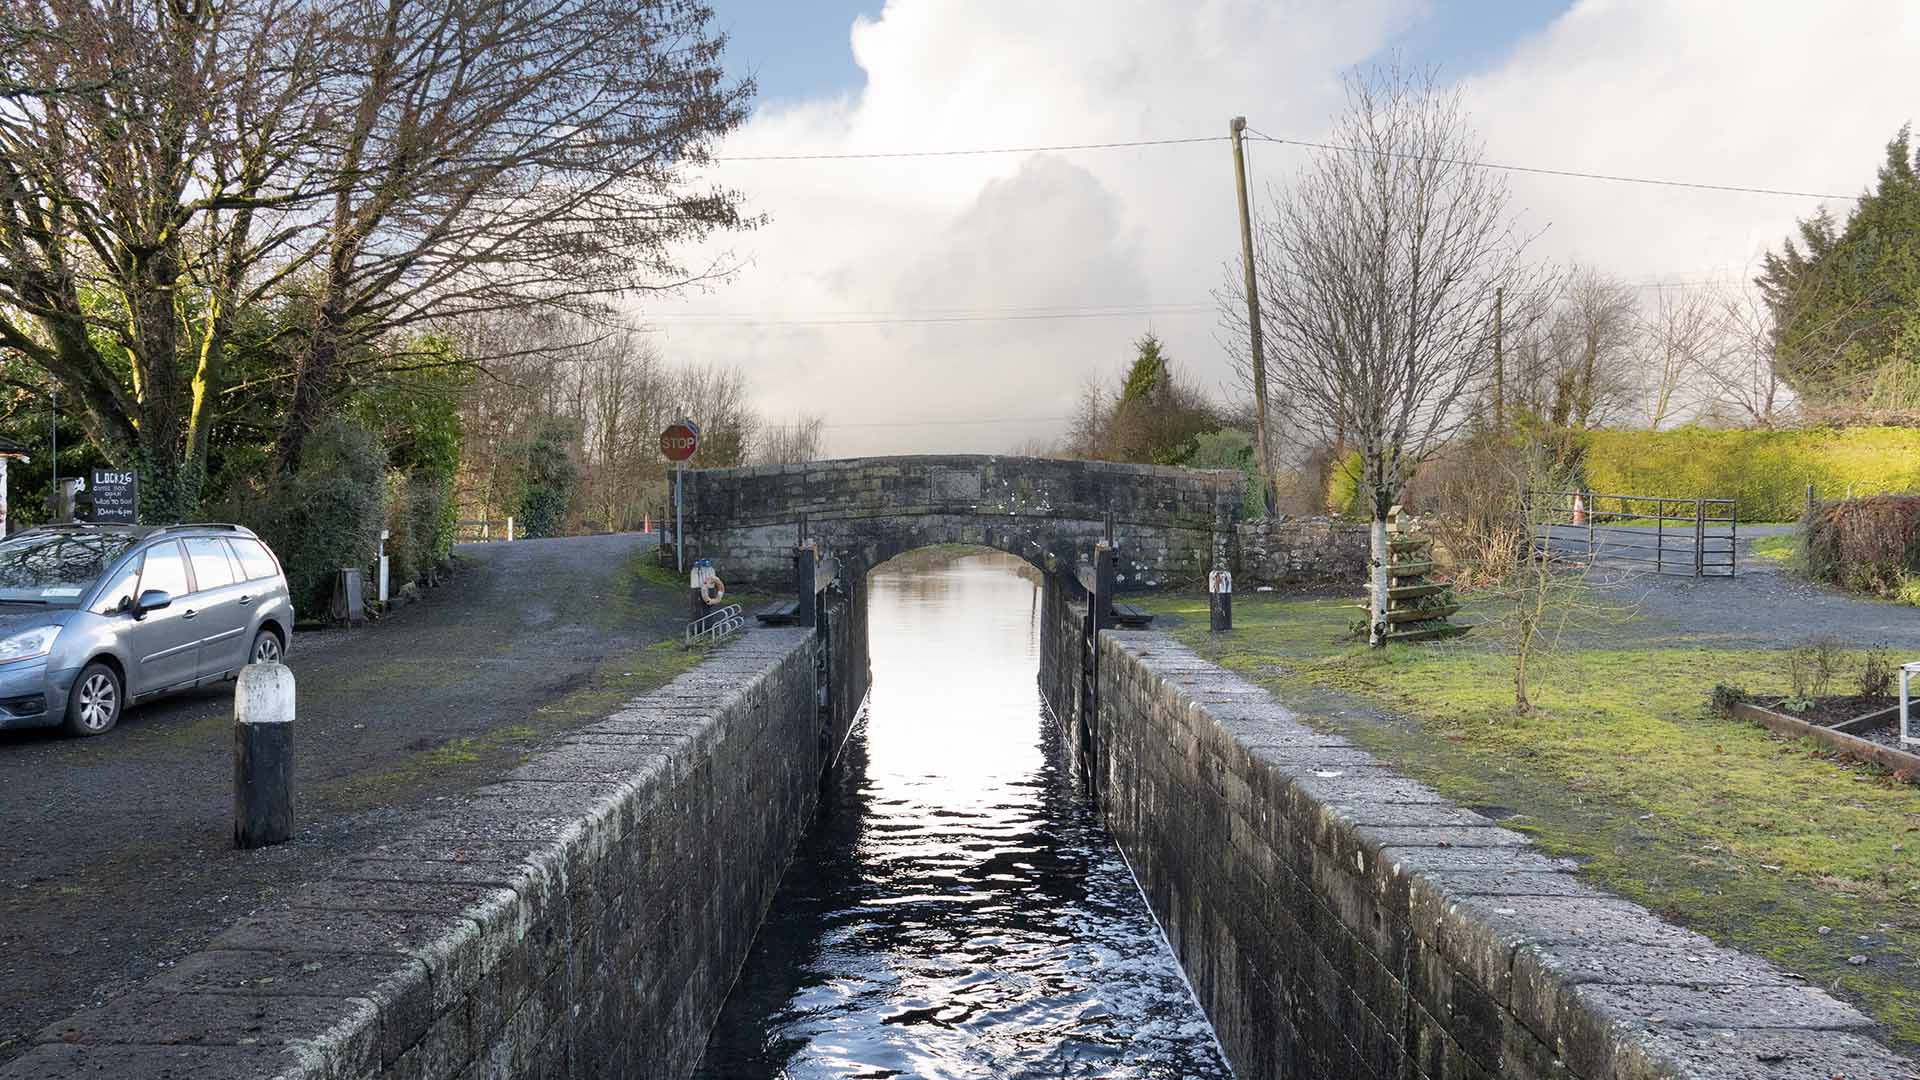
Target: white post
1906	704
680	515
3	497
509	528
383	565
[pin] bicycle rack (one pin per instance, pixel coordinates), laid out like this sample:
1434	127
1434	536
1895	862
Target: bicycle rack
715	625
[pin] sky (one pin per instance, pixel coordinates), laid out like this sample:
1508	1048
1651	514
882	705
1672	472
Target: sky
960	303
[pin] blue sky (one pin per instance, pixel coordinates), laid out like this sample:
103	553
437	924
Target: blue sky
798	48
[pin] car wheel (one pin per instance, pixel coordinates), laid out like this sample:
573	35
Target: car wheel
266	648
93	707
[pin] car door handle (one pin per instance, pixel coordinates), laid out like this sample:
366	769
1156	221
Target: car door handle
247	599
188	614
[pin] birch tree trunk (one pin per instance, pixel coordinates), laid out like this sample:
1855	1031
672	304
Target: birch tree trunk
1377	565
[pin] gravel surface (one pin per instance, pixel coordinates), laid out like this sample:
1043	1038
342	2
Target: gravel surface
1763	606
116	858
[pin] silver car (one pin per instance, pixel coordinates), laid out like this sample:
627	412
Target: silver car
96	617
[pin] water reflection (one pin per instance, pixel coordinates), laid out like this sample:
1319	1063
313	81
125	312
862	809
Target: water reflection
958	911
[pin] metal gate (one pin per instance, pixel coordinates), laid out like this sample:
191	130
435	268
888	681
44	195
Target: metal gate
1694	537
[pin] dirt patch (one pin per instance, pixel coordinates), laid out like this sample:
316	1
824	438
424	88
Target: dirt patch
1830	711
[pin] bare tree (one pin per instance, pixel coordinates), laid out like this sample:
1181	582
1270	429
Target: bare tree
790	444
1379	267
1743	381
1677	338
355	169
715	398
493	156
1594	332
155	164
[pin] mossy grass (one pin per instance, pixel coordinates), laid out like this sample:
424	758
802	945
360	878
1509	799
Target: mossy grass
1784	548
1715	823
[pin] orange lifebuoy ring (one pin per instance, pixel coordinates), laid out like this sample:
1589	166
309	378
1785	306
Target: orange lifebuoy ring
713	590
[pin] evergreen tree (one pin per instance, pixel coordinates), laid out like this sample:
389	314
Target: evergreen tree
1846	299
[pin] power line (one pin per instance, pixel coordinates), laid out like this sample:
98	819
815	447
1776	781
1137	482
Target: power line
696	320
1541	171
1306	143
912	316
955	423
973	153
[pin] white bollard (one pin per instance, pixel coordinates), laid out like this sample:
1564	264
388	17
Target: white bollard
263	755
509	529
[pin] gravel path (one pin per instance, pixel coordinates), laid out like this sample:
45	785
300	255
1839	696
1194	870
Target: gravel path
117	859
1763	605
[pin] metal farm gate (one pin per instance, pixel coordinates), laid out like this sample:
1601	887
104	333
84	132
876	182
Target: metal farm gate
1694	537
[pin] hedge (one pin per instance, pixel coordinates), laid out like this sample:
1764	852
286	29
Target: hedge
1766	471
1869	545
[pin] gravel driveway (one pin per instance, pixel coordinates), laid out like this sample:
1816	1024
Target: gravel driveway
1762	606
116	859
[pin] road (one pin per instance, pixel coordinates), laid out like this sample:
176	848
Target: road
116	859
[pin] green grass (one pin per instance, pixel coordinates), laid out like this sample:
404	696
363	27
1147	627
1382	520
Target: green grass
1755	840
1780	548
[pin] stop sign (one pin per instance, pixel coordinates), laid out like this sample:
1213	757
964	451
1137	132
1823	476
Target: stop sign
680	440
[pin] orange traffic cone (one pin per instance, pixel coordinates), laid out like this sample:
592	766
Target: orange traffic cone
646	525
1579	509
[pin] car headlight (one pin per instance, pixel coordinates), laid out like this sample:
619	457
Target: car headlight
27	644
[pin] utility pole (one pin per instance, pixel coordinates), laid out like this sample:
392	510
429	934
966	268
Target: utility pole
1499	365
1236	128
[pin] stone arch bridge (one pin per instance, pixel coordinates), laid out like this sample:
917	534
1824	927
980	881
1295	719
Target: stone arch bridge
1169	525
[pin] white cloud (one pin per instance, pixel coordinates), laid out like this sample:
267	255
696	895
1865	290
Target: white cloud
1744	91
1765	93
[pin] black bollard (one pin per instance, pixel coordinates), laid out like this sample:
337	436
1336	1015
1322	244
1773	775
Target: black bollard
1220	600
263	756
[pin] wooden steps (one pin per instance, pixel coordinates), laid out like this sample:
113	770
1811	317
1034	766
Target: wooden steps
1411	616
1406	615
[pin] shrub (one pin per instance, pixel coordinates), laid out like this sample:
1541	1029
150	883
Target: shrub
1811	668
1870	545
1878	672
1725	697
1344	497
1765	471
1231	448
551	479
326	516
419	525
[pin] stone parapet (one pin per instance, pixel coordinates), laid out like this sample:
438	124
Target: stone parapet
1339	920
586	916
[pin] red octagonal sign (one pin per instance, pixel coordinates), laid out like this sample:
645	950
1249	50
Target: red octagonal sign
679	441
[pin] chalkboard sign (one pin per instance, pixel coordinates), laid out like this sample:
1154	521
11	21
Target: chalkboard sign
116	496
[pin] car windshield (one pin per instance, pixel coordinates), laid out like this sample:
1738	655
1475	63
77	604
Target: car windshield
56	569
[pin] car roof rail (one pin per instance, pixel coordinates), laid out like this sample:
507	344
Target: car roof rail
224	526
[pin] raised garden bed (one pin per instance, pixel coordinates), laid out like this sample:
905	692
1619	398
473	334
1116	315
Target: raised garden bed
1839	723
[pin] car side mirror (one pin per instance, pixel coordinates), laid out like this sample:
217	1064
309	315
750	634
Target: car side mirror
151	600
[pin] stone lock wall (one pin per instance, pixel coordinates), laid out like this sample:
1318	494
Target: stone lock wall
1170	524
1337	920
586	917
1302	551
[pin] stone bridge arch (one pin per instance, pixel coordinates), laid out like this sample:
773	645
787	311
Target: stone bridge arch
1170	525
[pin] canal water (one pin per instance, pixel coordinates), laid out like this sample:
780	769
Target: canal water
958	910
